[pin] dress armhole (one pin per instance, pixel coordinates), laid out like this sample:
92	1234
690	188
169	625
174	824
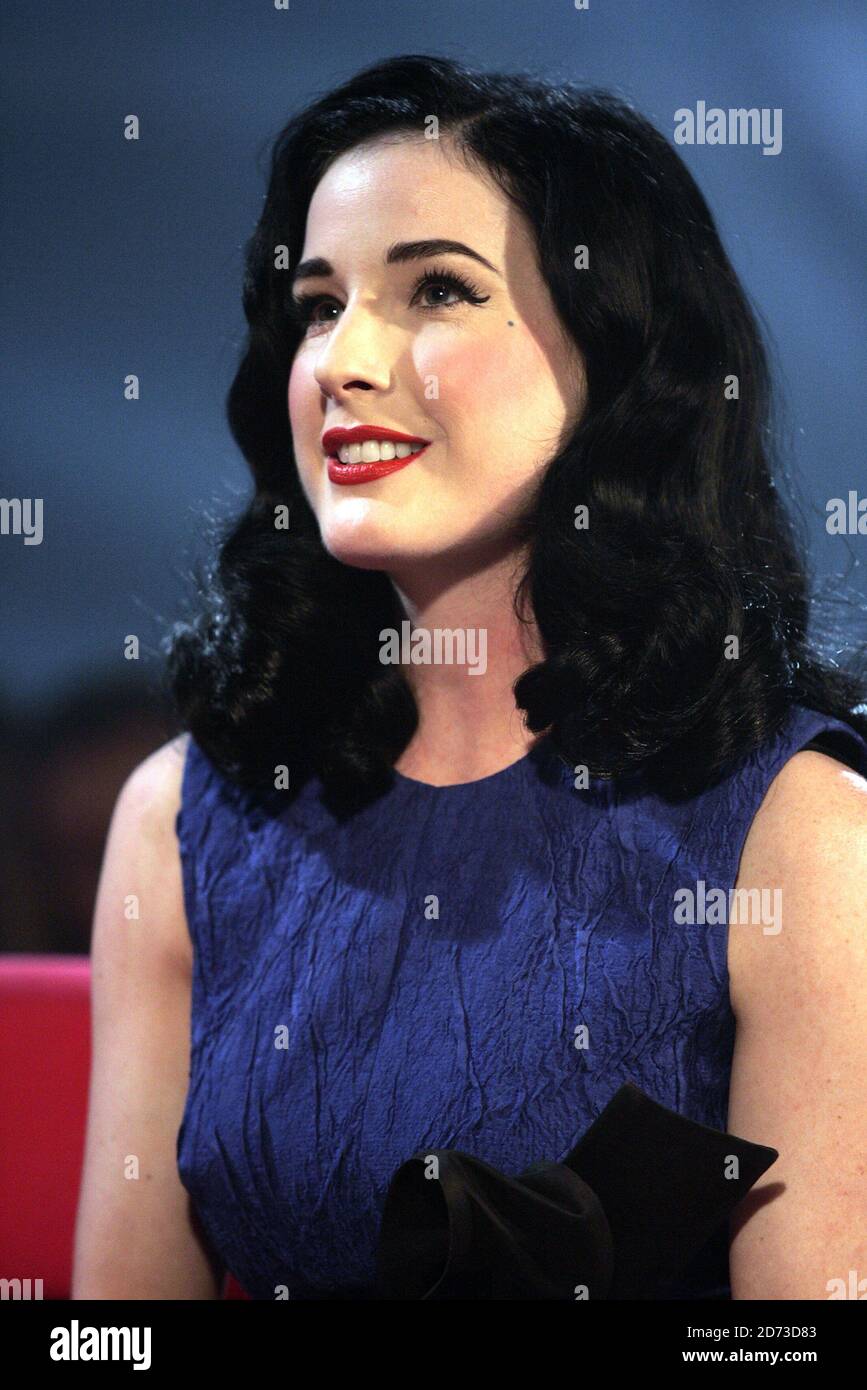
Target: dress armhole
806	730
843	747
186	840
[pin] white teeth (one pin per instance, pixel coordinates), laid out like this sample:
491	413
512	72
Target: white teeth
374	450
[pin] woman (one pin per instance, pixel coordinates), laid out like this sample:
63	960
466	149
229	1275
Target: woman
507	412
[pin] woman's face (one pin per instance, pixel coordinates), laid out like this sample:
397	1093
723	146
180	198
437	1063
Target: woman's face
489	377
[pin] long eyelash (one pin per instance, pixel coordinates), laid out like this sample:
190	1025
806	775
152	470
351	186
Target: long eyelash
455	281
300	307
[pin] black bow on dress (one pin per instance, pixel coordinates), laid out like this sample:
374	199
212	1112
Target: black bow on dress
622	1215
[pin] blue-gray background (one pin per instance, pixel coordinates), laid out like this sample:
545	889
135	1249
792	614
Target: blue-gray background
126	256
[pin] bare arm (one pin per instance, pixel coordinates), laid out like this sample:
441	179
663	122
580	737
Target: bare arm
799	1082
136	1236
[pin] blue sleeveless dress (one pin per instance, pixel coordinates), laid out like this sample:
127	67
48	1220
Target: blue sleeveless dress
477	967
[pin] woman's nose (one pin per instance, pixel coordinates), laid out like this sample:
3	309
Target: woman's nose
354	353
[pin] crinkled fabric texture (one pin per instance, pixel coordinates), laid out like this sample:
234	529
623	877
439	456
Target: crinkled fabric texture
476	967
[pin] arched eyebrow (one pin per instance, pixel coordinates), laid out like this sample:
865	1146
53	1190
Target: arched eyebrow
317	267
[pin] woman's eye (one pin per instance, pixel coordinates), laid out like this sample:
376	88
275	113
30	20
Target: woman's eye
305	310
436	280
439	285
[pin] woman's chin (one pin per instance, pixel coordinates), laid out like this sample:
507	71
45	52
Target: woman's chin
363	551
371	547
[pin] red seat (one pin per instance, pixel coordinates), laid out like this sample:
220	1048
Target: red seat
44	1070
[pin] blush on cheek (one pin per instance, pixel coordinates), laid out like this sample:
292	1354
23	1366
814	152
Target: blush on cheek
472	368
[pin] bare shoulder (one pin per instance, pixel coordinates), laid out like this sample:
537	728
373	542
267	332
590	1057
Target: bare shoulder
153	788
812	791
807	842
799	994
142	855
808	846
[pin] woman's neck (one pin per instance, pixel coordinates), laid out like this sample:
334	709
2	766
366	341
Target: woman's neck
462	647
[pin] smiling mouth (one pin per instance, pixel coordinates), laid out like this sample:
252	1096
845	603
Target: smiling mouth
376	451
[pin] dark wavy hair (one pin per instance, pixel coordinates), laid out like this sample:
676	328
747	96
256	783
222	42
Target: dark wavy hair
688	541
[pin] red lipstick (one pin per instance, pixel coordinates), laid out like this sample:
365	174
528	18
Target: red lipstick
335	438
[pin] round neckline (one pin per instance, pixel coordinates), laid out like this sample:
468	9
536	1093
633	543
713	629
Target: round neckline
479	781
